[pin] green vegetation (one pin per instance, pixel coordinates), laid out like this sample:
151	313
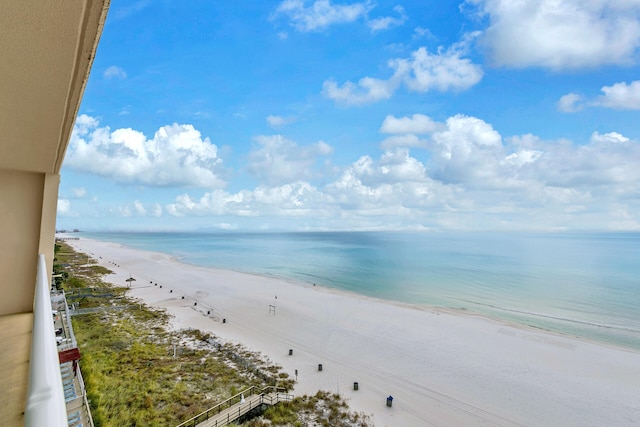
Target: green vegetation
138	372
324	409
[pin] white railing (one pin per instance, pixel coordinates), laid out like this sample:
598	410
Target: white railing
45	399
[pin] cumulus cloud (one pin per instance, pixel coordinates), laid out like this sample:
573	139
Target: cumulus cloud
619	96
560	34
277	159
388	22
445	70
459	173
177	155
467	150
408	140
464	175
320	14
114	72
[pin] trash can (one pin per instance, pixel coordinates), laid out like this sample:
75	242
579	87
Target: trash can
319	366
355	385
389	401
290	352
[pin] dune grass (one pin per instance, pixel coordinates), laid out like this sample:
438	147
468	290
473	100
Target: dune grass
140	373
323	409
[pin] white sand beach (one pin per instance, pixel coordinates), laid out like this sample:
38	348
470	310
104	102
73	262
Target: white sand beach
442	368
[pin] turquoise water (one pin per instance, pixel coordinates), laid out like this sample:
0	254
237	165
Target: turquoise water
585	285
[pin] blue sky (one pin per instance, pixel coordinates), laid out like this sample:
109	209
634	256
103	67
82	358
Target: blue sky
371	115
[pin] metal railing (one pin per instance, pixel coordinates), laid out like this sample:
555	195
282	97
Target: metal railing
269	395
84	396
45	397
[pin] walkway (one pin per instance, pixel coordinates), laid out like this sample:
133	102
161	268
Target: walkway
233	408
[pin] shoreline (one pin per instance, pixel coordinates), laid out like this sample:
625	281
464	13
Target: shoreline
442	366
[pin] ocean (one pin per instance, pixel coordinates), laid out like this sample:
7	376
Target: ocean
581	284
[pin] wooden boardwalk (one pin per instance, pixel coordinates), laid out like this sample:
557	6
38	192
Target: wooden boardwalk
233	408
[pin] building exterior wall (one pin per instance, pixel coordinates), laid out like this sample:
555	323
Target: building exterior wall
27	225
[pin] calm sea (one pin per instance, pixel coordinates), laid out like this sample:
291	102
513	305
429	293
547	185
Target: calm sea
586	285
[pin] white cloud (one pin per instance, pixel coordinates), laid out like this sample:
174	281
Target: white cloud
408	140
387	22
140	210
279	160
561	34
395	185
418	124
79	193
366	91
461	173
471	177
292	199
177	155
467	150
611	137
84	124
420	32
445	70
114	72
621	96
64	207
468	153
279	121
570	103
320	14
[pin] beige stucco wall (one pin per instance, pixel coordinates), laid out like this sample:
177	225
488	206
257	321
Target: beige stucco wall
27	226
47	49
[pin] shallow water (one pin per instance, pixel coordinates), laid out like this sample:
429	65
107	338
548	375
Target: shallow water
586	285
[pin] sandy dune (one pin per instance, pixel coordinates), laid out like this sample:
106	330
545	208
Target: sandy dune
442	368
